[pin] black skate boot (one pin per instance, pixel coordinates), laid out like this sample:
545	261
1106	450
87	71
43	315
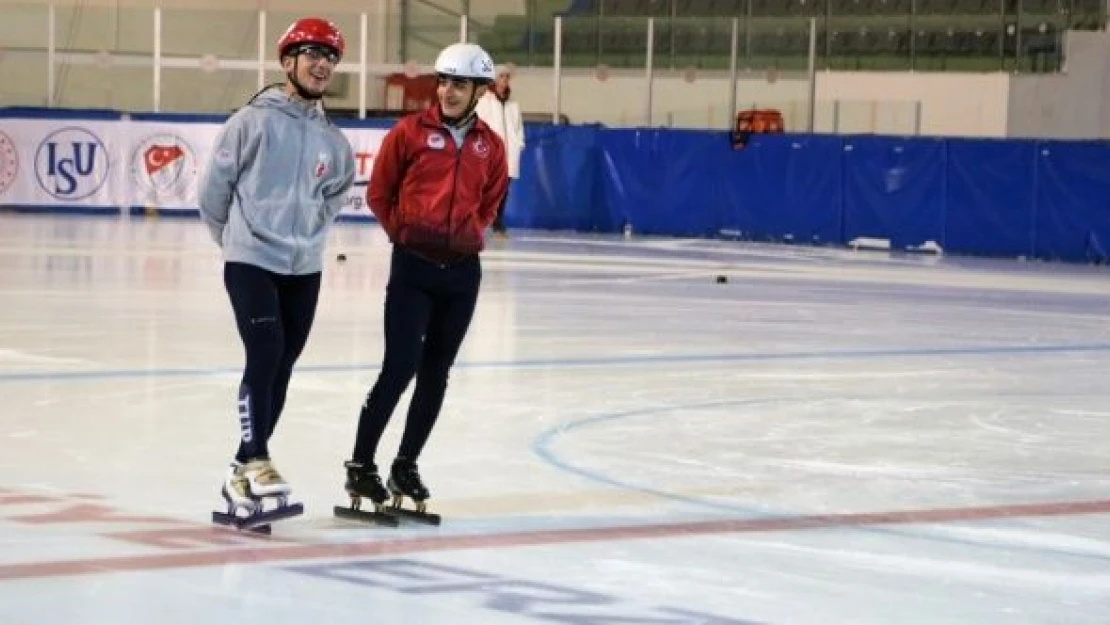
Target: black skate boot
363	481
404	481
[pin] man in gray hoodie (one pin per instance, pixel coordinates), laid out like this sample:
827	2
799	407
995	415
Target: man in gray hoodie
278	176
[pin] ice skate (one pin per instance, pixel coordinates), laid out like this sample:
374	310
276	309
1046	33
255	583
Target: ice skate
404	481
362	482
237	493
264	479
245	490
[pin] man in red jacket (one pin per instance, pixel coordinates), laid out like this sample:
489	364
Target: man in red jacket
437	182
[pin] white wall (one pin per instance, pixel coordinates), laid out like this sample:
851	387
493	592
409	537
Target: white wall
1072	105
847	102
621	99
952	104
226	29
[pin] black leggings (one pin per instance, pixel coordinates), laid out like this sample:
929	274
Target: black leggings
499	220
428	308
274	313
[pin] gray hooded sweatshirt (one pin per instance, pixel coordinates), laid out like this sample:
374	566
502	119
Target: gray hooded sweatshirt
278	175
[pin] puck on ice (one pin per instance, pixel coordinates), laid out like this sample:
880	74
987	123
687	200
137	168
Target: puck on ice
722	279
341	258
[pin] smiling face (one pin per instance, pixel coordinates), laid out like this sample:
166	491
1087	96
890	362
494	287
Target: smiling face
312	68
455	96
502	82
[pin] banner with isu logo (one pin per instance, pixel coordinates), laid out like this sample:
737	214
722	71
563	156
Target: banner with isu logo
126	164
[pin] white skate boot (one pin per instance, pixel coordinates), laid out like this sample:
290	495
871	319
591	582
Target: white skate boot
237	491
264	479
245	488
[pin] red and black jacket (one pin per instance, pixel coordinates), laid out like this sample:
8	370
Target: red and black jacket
432	196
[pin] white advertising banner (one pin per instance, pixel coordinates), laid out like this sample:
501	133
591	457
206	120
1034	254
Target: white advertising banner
365	143
120	164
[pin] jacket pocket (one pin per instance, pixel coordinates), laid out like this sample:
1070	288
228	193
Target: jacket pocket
268	219
467	235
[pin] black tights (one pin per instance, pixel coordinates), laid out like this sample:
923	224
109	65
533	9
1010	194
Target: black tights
274	314
428	308
499	220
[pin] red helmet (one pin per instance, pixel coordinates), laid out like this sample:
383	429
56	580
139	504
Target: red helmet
312	30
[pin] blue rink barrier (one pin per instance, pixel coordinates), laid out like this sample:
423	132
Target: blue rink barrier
989	197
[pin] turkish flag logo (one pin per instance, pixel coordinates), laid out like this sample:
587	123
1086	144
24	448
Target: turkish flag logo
158	157
164	170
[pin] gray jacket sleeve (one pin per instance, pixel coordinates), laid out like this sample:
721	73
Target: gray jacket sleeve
336	197
217	186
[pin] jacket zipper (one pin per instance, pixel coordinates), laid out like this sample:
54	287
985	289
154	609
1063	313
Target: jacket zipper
505	124
454	187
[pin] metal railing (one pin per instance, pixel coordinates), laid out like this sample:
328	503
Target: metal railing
931	35
200	61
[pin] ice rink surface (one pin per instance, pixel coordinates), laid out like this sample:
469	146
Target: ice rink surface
830	437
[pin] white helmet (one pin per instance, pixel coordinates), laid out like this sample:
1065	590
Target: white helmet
466	60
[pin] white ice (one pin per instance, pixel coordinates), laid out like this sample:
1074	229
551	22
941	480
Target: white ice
832	436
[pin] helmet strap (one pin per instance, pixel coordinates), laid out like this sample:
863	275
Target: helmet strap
468	114
304	94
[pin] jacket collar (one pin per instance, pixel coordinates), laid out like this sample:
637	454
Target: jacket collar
431	117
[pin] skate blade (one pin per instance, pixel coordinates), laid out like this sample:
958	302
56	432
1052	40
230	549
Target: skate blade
367	516
260	521
423	517
238	522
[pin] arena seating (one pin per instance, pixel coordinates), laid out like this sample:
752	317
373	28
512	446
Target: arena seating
852	34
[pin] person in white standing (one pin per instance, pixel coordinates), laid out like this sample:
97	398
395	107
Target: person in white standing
502	114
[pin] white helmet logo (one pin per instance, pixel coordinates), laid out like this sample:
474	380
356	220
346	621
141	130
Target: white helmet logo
465	60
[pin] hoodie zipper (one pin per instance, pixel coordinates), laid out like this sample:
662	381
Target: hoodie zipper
297	209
